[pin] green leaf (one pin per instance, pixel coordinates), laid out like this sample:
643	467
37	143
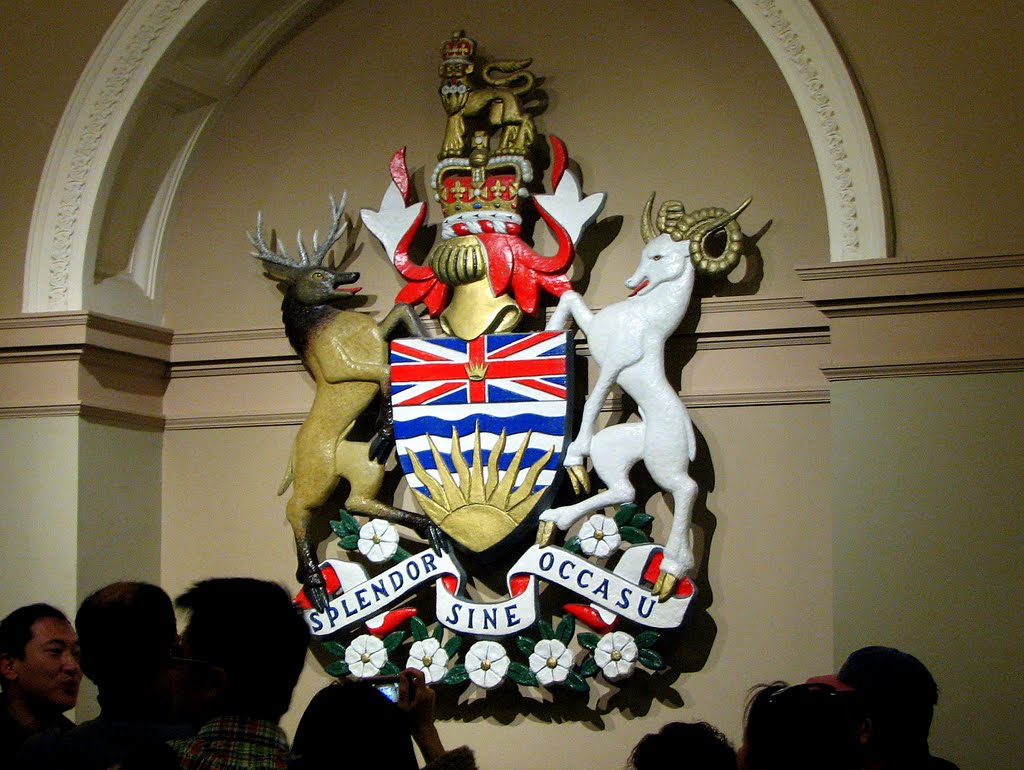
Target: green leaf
546	631
576	682
520	674
641	521
401	554
572	545
438	633
337	650
589	667
625	514
350	542
393	640
634	535
651	659
390	669
452	646
588	640
350	525
566	629
525	645
418	629
339	529
338	668
457	675
646	639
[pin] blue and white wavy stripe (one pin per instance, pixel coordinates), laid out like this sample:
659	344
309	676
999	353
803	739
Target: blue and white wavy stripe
413	424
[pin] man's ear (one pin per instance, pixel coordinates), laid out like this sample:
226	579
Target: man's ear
215	682
864	730
8	670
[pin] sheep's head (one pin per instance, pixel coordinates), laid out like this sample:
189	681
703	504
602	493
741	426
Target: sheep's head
714	237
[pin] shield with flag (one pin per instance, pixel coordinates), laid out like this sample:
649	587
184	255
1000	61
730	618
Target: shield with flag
480	427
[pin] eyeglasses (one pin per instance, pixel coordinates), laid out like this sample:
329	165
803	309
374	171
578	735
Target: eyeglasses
178	659
806	689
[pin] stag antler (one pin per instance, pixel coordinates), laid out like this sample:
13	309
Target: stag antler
339	224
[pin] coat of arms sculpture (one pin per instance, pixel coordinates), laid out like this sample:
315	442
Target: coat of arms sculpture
481	417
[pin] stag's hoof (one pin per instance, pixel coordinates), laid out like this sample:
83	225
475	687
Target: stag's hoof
545	532
317	595
380	448
665	587
438	540
580	479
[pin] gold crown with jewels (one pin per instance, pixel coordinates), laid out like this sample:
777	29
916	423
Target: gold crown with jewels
481	183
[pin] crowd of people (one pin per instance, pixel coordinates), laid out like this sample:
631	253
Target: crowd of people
212	697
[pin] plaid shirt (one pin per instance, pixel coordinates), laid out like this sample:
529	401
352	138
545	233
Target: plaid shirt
234	743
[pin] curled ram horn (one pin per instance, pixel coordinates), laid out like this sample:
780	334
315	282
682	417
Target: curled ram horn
670	214
646	226
701	226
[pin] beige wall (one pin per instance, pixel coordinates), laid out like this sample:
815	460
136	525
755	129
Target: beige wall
928	553
945	99
46	48
312	121
39	525
676	97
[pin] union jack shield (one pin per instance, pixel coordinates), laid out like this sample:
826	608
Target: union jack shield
481	427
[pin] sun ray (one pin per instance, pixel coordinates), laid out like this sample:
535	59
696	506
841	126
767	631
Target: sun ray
526	488
436	491
476	479
493	474
477	503
509	479
454	495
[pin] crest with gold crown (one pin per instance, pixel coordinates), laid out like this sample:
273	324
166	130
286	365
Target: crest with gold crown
481	413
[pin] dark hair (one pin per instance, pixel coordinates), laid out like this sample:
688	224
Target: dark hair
16	628
364	712
899	694
684	745
126	632
262	656
802	727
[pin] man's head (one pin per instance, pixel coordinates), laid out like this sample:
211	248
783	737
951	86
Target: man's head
128	632
39	660
242	650
900	695
803	727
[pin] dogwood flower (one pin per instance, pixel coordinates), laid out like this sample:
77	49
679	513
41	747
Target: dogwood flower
429	657
378	540
599	536
616	654
550	661
486	664
366	656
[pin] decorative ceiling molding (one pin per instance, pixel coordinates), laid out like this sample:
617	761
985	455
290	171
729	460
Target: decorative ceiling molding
150	39
849	163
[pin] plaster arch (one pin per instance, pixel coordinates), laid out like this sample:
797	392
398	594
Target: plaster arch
165	66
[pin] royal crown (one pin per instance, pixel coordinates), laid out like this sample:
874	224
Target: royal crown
458	47
482	187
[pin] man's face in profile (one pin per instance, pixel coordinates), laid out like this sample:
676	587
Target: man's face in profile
48	675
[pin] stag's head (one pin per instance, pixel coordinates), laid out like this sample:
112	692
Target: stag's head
709	241
309	281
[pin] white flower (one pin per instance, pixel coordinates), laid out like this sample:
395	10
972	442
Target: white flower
550	661
616	654
378	540
429	657
599	536
486	663
366	656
